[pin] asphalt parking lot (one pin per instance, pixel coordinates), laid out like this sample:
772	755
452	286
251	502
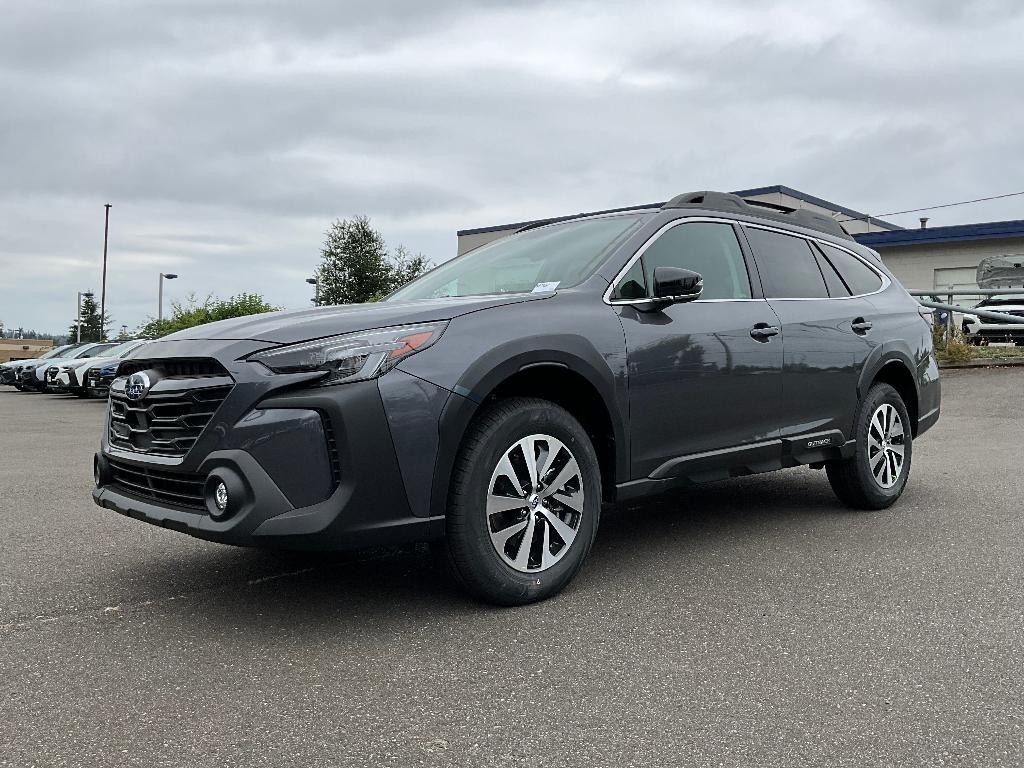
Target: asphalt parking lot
748	623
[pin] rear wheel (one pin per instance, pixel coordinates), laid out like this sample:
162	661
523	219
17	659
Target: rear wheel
524	503
875	476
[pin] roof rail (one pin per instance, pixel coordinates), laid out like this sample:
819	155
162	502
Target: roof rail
722	201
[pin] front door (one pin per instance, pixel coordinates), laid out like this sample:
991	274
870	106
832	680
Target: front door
700	382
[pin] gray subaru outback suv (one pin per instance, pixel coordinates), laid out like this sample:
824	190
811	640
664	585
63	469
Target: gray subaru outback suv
494	404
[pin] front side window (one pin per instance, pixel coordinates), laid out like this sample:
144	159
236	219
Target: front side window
707	248
787	265
542	259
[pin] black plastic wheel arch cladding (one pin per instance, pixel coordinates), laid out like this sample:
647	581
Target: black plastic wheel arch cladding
573	331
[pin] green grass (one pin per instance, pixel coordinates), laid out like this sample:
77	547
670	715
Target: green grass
957	349
990	352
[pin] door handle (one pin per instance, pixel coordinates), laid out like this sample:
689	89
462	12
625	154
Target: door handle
763	332
861	326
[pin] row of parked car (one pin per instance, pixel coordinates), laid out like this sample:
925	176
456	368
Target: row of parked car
83	369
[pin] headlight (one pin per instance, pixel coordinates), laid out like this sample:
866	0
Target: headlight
354	356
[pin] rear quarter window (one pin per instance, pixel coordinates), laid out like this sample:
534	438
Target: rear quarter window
855	273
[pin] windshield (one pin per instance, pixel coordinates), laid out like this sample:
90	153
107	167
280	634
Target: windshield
122	349
54	352
91	351
542	259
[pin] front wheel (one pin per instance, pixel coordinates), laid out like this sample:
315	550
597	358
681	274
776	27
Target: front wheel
524	503
875	476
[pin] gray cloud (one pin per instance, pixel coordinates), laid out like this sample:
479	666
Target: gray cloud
229	134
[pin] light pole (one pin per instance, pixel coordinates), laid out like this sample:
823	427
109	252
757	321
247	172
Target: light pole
78	322
103	293
160	295
316	289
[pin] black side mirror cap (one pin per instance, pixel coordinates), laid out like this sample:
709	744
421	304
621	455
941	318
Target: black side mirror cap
675	285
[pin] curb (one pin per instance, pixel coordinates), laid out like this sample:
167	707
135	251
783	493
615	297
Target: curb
985	362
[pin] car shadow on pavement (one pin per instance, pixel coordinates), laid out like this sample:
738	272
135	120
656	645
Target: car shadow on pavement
407	586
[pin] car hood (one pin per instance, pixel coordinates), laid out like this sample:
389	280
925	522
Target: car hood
302	324
1006	309
50	361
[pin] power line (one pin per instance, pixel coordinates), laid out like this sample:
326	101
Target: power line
931	207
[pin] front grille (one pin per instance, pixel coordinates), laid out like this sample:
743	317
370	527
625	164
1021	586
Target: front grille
179	489
174	368
165	424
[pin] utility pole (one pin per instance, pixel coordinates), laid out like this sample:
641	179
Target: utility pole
103	292
316	289
160	295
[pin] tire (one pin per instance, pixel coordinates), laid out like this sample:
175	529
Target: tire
866	480
485	552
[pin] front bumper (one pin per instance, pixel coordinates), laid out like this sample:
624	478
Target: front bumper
995	332
305	468
96	384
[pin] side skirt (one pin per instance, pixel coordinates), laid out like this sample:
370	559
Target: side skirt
739	461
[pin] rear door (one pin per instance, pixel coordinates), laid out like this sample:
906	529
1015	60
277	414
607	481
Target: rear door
826	330
699	381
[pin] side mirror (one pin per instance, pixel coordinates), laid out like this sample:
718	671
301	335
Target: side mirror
674	285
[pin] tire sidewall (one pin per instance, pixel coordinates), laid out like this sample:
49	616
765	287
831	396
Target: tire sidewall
534	418
881	394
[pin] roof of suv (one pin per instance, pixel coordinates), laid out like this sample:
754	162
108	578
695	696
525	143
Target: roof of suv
724	202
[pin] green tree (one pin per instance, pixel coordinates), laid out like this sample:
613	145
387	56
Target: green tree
355	265
92	328
212	309
406	267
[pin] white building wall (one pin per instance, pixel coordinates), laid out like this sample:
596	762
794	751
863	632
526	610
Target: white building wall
926	266
469	242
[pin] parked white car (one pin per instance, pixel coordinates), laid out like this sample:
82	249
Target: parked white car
71	374
983	331
32	376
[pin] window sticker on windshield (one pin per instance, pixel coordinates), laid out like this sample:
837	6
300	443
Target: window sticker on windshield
545	287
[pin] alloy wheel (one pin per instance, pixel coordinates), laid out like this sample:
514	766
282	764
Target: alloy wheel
535	503
886	445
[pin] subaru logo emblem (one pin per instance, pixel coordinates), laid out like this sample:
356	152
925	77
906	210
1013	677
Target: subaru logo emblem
137	386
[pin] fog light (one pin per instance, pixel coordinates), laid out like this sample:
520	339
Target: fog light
101	473
220	497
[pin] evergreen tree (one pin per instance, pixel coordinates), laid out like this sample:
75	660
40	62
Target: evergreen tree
356	267
92	328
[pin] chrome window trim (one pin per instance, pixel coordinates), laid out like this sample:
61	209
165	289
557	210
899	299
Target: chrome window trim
606	297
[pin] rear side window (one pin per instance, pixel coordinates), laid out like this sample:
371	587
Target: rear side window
787	265
856	274
707	248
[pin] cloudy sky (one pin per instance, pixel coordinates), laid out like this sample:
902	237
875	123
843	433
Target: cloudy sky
228	135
